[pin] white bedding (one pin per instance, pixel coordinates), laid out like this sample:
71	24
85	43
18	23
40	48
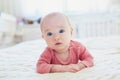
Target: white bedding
19	62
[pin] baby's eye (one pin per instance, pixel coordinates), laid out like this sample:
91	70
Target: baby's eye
61	31
49	34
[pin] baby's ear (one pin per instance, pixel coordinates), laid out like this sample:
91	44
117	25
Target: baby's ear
71	31
42	36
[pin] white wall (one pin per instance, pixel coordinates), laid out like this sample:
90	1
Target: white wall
10	6
33	8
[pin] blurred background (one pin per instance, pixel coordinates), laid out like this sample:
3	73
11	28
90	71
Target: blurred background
19	19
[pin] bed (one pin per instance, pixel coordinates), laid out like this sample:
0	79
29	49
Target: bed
19	62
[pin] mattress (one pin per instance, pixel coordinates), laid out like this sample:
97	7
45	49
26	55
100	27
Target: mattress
19	62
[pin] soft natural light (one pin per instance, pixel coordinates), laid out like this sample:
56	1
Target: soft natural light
42	7
47	6
28	8
84	6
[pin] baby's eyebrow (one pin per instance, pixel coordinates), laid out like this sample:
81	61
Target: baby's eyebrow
46	30
61	26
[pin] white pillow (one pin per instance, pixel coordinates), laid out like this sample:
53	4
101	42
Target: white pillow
8	16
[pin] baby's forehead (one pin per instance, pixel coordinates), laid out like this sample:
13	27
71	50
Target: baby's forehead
53	18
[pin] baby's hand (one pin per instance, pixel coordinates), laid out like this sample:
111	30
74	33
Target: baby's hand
67	68
73	67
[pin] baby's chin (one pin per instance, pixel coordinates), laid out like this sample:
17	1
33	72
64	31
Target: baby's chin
61	48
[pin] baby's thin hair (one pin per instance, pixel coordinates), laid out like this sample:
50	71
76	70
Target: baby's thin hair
54	14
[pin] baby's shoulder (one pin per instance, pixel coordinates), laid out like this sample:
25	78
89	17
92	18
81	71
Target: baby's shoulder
75	43
47	51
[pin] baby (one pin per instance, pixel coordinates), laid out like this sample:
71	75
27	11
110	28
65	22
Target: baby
62	53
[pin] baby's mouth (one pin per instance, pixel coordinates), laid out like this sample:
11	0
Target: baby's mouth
58	43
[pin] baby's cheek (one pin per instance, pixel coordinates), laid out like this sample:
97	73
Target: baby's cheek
50	44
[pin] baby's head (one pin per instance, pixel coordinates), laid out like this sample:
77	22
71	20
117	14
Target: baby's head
51	16
56	30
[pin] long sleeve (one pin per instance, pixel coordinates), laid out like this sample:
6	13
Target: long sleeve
43	64
85	57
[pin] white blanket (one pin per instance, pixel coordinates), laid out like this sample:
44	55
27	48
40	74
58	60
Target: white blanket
19	62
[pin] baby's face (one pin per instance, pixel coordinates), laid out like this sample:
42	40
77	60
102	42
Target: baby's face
56	31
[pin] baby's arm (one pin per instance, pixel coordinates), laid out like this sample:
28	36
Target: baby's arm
43	67
46	68
85	57
43	64
78	66
67	68
58	68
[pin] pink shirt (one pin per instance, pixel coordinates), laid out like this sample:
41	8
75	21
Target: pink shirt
77	53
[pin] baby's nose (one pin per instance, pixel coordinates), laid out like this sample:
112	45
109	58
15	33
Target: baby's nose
57	37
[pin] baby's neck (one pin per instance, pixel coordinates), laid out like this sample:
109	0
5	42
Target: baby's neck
63	55
63	50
